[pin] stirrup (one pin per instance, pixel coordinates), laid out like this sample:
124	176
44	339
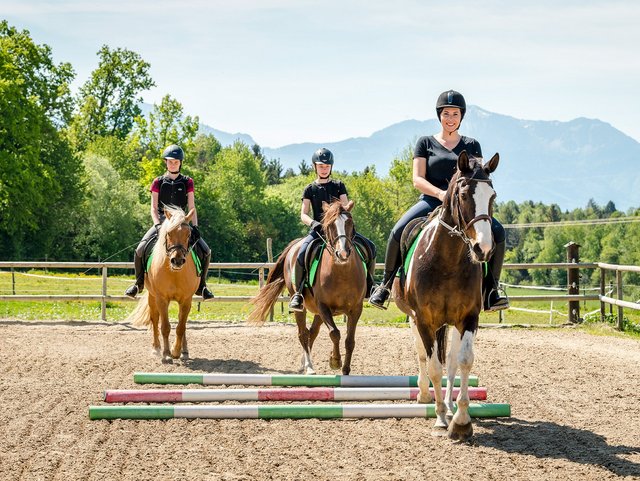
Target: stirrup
296	304
500	304
132	291
206	294
382	292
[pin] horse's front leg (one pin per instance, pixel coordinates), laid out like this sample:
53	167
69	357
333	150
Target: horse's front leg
452	369
165	329
335	361
180	344
435	374
350	340
153	313
305	342
461	427
424	396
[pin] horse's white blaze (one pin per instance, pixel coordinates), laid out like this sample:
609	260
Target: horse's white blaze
482	197
342	233
429	230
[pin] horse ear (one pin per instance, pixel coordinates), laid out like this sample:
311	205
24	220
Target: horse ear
167	213
492	164
349	206
325	206
463	162
190	215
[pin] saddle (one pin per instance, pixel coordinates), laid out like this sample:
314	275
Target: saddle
314	254
408	243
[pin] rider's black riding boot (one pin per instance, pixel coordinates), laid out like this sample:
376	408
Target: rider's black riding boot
296	303
136	288
492	299
381	294
205	257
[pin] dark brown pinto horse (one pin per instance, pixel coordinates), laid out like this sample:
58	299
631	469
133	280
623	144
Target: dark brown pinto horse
443	287
339	288
171	277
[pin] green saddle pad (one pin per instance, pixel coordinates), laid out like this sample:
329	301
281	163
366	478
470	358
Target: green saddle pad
196	261
313	269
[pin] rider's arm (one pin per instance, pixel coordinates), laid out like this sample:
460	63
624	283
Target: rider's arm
422	184
154	208
191	204
304	212
344	200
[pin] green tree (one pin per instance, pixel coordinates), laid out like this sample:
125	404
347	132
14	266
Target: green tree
166	125
40	175
110	100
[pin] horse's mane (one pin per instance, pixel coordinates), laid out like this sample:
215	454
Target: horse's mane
177	218
332	213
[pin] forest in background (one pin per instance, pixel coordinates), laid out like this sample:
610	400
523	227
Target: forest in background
76	171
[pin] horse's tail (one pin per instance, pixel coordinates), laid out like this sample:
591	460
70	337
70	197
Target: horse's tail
141	315
266	298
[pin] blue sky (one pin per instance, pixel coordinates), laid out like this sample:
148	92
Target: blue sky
289	71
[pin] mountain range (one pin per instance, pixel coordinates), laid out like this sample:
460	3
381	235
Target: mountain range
566	163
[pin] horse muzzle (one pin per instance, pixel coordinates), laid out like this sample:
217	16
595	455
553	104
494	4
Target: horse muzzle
481	251
177	262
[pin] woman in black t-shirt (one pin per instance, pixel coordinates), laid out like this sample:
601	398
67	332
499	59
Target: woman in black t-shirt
434	163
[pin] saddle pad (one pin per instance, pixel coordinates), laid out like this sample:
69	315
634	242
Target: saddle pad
196	261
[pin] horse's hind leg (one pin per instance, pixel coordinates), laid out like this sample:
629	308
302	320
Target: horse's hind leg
350	340
461	427
335	361
304	338
435	374
180	345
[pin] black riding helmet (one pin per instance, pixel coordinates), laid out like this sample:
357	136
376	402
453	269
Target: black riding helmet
174	152
451	98
322	156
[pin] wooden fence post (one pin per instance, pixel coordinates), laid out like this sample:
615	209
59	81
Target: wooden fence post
104	293
573	280
602	292
270	260
620	325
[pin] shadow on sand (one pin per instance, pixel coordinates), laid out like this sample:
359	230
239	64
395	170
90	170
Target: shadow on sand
546	440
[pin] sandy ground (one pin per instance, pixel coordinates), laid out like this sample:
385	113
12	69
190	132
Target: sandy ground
574	397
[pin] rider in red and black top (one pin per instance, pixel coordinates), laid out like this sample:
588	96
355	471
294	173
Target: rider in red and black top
435	161
323	189
177	190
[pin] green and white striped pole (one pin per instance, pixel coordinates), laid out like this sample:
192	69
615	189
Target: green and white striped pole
285	380
291	411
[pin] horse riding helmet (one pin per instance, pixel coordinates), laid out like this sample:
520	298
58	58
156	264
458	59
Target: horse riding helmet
451	98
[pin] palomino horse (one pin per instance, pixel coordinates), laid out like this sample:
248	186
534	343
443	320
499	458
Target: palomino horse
443	287
339	287
171	277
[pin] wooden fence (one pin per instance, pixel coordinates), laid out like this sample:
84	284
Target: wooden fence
573	297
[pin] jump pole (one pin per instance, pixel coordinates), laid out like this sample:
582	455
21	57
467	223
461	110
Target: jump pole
277	394
285	380
291	411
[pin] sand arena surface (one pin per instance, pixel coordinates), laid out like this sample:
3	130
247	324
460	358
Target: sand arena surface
575	409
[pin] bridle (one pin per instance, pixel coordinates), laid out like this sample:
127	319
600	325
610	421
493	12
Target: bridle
175	247
460	228
331	245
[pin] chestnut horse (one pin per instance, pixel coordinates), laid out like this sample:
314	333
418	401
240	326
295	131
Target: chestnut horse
443	287
339	288
171	277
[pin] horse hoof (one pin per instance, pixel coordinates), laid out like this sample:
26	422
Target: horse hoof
460	432
335	363
439	431
346	371
167	360
310	372
184	356
426	399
